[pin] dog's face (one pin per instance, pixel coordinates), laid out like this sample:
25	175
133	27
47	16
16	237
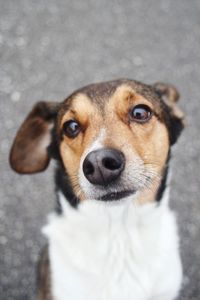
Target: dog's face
113	138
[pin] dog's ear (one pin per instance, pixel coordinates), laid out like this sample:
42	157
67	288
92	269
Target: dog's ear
29	153
170	97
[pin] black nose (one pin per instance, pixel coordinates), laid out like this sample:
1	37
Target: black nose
103	166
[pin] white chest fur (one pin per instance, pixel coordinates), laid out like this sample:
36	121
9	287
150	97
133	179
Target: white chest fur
115	251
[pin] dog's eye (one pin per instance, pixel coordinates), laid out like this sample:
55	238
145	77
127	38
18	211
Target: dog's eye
140	113
71	128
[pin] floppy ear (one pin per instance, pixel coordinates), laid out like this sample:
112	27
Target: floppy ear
29	153
170	97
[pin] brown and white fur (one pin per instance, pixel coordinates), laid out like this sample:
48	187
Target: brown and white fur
113	236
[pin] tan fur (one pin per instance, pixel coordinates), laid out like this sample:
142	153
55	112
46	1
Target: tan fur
149	141
83	111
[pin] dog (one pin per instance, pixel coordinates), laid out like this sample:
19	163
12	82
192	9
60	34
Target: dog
113	235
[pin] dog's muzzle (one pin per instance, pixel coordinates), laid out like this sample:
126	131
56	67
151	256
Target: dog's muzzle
104	166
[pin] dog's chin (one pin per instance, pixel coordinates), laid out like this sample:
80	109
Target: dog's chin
114	196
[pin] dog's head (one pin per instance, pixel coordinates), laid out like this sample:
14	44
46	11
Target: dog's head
112	139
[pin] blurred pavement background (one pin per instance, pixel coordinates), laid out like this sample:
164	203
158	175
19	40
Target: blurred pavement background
49	48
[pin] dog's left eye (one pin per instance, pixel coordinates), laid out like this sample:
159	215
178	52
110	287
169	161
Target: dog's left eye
140	113
71	128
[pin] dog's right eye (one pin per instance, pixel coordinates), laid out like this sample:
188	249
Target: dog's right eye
141	113
71	128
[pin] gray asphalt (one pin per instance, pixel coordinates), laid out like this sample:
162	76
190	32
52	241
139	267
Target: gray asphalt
48	49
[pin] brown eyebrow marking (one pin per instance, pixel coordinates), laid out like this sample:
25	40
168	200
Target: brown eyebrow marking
123	99
79	107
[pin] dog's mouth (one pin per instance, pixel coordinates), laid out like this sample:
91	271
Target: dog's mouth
116	195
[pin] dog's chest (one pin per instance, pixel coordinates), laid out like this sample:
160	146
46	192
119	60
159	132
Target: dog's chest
113	252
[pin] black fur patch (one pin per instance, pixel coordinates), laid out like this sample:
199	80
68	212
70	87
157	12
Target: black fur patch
61	178
163	184
63	184
176	126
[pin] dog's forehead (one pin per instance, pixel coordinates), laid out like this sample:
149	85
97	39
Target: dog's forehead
99	93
